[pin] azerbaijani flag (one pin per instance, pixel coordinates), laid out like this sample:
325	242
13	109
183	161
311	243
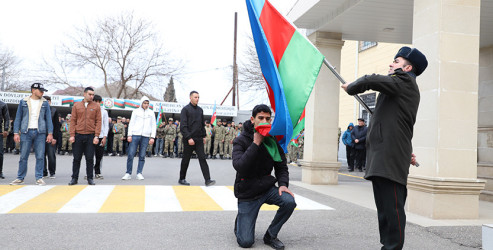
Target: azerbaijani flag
290	65
151	106
78	100
131	104
300	126
213	118
160	116
68	101
119	104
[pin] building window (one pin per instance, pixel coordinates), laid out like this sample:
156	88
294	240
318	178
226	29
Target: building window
364	45
370	100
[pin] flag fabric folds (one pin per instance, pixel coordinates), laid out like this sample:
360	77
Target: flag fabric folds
160	116
213	118
290	65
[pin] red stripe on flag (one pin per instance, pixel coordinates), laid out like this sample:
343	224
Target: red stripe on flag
277	29
270	93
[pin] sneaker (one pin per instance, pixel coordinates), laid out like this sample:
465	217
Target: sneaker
140	177
40	182
126	177
17	182
52	176
98	176
210	182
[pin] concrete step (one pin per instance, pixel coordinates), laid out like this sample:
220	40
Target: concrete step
488	237
485	169
486	196
489	182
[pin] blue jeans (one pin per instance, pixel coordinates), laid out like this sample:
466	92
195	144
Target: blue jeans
141	142
248	212
159	146
32	137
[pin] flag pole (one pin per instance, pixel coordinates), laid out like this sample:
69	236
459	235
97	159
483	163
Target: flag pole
327	63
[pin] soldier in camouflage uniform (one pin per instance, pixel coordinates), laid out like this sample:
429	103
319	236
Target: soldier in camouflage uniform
65	129
159	140
179	150
228	141
218	131
169	138
208	137
118	132
301	144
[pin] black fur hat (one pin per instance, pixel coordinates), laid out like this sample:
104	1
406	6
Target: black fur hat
417	59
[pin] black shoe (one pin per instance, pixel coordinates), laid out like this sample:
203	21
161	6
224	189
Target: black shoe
214	157
1	176
72	182
221	156
165	155
90	182
16	152
273	242
210	182
184	182
350	170
360	170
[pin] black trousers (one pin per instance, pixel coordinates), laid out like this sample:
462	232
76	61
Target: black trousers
390	198
99	151
50	153
83	145
350	157
187	153
360	158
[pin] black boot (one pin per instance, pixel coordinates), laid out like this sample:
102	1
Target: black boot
273	242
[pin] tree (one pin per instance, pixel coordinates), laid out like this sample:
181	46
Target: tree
250	74
125	50
10	71
170	95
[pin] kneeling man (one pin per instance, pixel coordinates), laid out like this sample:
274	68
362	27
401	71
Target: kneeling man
254	157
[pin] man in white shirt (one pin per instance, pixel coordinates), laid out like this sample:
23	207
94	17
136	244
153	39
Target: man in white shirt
99	148
141	132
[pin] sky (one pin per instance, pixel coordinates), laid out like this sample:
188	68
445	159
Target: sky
198	32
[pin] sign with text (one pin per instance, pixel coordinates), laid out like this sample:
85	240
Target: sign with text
122	104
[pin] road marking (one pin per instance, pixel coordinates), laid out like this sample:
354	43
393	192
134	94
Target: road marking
89	200
352	176
124	199
50	201
161	199
193	198
19	196
223	196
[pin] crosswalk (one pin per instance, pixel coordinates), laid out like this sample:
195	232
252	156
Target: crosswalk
126	199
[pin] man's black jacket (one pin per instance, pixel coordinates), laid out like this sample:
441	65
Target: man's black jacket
4	116
359	132
192	123
254	165
56	123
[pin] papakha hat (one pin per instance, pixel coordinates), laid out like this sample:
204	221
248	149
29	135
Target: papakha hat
415	57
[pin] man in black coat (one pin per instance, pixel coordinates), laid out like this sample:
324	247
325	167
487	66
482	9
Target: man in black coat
254	184
50	147
358	134
5	120
388	143
193	131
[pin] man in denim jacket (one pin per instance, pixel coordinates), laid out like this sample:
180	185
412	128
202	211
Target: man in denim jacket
31	126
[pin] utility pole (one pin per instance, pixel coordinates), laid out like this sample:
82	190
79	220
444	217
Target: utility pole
235	66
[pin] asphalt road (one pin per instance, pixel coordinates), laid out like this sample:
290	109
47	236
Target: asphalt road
347	227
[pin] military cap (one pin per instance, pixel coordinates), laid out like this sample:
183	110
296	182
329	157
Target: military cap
218	120
170	119
119	117
415	57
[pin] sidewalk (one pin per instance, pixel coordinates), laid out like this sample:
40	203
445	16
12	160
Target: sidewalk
361	193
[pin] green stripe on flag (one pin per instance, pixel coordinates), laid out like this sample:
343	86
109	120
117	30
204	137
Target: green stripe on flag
299	68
